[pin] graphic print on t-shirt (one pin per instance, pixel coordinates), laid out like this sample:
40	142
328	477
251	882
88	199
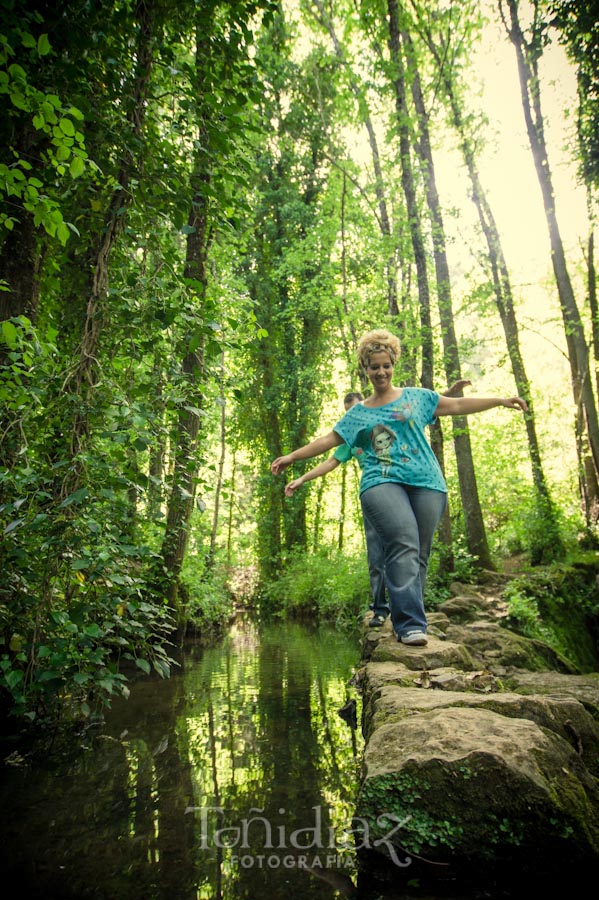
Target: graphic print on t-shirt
381	439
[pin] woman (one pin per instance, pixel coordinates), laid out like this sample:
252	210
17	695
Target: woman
402	490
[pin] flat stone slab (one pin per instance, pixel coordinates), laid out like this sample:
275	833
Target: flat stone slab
464	609
436	653
584	688
492	644
564	716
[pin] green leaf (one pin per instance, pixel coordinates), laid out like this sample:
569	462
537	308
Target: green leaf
63	153
14	677
63	233
43	45
144	665
16	523
162	667
75	497
93	631
9	333
67	127
77	167
17	72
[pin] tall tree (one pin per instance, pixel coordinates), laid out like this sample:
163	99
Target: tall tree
448	44
576	24
402	64
288	273
528	53
473	517
85	373
222	40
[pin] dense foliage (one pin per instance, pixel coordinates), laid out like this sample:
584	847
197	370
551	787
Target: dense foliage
203	206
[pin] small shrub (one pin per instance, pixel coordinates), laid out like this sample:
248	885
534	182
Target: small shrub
209	606
327	585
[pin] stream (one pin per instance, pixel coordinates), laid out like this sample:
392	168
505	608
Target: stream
235	778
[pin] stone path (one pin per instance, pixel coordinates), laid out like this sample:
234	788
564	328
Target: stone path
482	751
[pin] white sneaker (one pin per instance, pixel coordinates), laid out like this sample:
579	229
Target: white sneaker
414	639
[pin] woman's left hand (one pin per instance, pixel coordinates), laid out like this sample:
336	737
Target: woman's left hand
280	464
516	403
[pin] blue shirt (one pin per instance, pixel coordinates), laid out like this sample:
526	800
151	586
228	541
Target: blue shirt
390	443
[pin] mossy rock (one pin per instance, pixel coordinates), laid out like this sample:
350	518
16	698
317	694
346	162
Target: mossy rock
436	653
489	643
474	790
463	609
584	688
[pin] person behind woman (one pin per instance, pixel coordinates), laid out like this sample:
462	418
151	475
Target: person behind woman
374	549
402	490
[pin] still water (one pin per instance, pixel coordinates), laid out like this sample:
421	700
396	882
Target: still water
233	779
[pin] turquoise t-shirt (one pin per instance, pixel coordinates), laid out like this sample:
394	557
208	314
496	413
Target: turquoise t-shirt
390	443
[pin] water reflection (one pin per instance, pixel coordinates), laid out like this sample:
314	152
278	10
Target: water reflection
233	779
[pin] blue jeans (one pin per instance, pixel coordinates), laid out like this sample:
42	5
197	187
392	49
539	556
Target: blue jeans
376	569
405	519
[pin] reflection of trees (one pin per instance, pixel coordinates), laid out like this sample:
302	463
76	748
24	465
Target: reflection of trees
251	724
161	833
108	822
265	736
344	788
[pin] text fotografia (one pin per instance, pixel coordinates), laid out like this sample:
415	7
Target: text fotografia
316	846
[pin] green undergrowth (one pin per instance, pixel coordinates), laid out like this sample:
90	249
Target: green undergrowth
208	605
560	606
327	586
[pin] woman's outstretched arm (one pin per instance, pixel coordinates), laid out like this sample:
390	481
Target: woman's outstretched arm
318	471
465	406
315	448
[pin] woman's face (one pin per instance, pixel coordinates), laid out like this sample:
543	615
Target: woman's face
380	370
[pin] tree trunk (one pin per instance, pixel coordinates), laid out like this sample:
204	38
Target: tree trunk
219	473
317	515
157	451
409	190
85	373
527	55
418	247
547	543
476	537
341	533
182	494
231	508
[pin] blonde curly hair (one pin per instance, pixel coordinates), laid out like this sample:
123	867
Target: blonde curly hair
378	341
